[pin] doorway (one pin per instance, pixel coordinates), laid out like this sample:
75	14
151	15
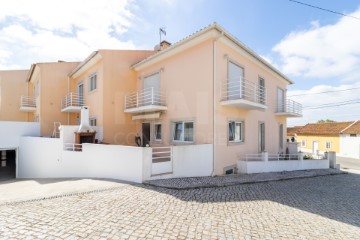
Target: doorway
261	137
80	92
7	164
315	148
145	134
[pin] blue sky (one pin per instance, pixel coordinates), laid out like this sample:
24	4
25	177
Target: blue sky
319	50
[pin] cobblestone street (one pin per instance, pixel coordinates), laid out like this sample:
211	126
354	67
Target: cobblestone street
326	207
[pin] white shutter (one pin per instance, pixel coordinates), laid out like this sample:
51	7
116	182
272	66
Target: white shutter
152	81
235	76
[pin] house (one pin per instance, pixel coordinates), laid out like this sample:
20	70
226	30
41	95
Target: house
211	88
291	133
350	141
204	106
100	82
12	86
323	137
47	84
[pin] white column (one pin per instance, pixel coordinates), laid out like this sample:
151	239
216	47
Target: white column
265	156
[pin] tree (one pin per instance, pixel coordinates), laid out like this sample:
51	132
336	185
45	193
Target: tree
325	121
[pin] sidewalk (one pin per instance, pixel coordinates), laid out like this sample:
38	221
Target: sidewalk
22	190
222	181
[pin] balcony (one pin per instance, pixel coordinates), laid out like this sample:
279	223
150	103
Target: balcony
27	104
289	109
72	102
147	100
241	93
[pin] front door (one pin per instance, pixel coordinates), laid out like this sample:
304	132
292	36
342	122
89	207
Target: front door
261	137
145	134
315	147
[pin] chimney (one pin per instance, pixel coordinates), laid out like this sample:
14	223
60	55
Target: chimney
84	121
162	46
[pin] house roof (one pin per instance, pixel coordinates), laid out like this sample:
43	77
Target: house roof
222	32
354	128
333	128
291	131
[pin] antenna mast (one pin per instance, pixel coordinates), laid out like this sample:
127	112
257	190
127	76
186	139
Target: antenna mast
162	31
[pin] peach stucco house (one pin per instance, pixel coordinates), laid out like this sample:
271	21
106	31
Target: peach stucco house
100	82
206	102
211	88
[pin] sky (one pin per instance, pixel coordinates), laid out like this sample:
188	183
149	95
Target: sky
318	50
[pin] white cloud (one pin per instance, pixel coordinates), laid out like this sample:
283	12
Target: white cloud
338	113
42	30
323	51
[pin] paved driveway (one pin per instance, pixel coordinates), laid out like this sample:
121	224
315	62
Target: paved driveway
325	207
348	163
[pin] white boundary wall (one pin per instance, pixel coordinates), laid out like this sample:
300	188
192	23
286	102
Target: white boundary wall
10	133
278	166
44	158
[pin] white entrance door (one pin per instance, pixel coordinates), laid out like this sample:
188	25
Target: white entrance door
315	147
235	81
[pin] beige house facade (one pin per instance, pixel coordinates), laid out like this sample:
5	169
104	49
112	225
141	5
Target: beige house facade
210	88
13	92
207	89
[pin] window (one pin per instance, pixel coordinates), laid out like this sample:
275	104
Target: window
236	130
158	131
184	131
92	121
281	136
352	135
92	82
261	90
328	145
303	143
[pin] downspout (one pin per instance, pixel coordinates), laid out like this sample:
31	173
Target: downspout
214	101
68	114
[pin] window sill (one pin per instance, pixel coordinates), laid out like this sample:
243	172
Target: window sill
236	143
182	142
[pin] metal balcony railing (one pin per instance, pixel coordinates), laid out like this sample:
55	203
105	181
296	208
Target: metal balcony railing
27	102
72	100
147	97
290	106
242	89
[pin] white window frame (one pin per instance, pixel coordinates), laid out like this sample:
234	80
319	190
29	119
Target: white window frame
93	118
328	143
241	137
303	143
91	86
155	132
182	134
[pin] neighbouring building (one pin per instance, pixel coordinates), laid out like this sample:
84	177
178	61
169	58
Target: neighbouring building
350	141
47	83
291	133
340	137
100	82
13	92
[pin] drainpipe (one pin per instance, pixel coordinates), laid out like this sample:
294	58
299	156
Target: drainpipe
214	101
68	114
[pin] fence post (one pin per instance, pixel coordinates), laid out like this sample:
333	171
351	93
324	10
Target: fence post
332	159
265	156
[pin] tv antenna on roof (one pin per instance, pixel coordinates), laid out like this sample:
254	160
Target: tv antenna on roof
162	31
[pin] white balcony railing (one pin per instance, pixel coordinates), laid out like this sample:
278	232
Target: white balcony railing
72	102
145	98
290	107
27	102
243	89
